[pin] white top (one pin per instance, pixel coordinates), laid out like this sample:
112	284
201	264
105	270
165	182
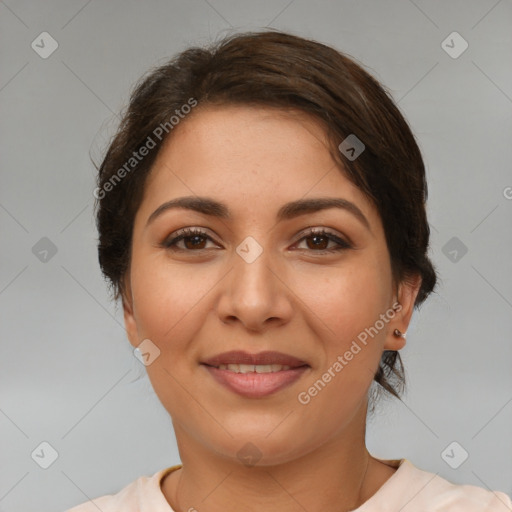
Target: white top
409	489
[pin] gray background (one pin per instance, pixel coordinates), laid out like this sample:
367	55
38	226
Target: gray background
68	375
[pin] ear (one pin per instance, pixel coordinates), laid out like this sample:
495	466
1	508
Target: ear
129	316
406	296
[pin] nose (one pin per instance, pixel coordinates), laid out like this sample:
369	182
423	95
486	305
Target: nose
255	292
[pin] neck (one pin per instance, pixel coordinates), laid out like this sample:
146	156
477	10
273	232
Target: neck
338	476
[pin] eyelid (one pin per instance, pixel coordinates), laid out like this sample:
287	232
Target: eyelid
313	230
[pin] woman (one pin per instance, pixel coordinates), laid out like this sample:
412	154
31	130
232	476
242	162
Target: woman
261	215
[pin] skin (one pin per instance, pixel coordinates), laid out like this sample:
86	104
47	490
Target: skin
292	299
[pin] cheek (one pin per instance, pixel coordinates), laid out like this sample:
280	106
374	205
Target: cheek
169	303
168	296
345	300
344	307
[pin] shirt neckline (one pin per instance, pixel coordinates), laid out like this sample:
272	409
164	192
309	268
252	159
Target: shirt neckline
378	497
399	464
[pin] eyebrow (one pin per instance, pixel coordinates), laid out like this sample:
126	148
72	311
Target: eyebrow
208	206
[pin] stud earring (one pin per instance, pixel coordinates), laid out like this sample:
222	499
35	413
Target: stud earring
398	333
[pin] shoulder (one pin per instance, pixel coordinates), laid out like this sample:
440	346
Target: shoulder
141	495
422	491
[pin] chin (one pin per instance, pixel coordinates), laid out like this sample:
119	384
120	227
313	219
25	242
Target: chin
259	449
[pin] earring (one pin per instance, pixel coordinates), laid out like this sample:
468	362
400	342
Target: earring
398	333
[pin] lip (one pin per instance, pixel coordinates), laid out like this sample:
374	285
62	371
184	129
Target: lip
266	357
256	385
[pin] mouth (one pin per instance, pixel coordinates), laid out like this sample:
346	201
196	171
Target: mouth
267	358
253	368
255	375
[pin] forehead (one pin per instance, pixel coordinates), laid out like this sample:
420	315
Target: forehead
249	155
234	139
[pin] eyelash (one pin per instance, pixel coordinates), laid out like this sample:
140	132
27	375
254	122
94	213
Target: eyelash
170	243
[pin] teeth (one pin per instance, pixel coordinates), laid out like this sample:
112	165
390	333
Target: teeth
254	368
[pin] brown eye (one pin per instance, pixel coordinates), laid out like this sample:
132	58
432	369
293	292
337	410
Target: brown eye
193	240
318	241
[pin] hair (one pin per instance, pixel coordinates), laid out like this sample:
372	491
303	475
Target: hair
281	70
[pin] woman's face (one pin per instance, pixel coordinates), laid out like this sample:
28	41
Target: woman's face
257	280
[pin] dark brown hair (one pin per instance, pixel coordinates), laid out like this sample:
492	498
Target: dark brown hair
275	69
